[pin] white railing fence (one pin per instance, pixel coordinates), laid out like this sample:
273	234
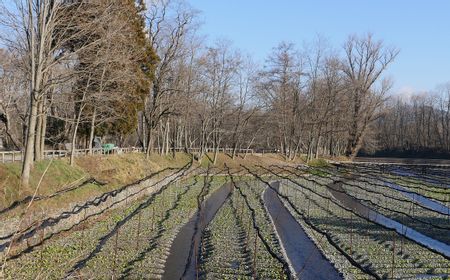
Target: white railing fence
17	156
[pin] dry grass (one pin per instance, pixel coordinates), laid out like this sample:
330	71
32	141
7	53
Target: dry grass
59	175
114	170
250	160
123	169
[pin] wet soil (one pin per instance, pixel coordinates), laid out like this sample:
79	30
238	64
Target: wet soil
305	258
182	260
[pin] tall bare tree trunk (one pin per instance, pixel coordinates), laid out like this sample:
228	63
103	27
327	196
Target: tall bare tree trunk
75	129
160	138
92	131
35	75
144	140
74	138
317	147
174	140
166	138
233	155
29	147
186	144
43	128
37	141
149	142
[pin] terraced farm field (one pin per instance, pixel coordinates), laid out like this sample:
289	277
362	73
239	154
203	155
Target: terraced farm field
345	221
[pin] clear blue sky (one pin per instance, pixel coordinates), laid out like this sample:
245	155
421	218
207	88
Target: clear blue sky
419	28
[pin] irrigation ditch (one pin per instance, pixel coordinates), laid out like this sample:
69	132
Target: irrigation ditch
182	262
305	259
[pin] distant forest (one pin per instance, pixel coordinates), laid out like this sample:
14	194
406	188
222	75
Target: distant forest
143	76
418	126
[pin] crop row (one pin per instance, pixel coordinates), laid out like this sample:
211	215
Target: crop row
374	247
431	187
393	204
130	241
240	243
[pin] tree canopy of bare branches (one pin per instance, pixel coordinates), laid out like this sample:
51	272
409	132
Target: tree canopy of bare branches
137	75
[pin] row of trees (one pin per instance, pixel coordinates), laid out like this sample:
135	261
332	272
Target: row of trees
67	64
142	76
417	124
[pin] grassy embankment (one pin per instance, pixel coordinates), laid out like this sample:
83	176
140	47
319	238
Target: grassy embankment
113	170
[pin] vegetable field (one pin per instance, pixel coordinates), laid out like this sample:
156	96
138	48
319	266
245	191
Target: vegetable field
344	221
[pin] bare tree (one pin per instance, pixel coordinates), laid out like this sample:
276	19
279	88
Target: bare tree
417	124
281	91
220	73
11	100
169	24
364	63
243	109
85	76
33	26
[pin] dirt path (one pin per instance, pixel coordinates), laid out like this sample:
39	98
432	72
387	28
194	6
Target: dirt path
182	258
304	257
